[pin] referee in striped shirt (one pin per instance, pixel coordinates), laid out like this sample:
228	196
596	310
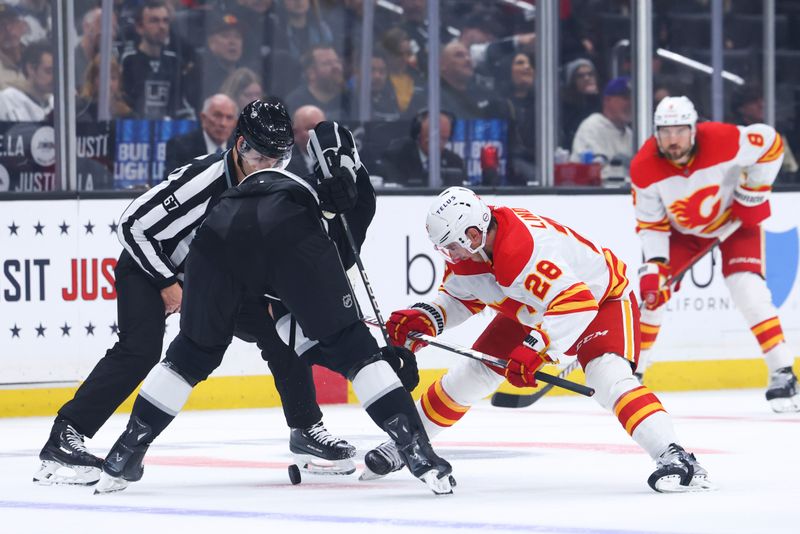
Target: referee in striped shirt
156	231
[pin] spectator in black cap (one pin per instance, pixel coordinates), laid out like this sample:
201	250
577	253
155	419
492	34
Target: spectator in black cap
581	96
606	137
223	54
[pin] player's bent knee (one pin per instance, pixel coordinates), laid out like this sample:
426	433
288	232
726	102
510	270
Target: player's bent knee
194	361
610	375
750	293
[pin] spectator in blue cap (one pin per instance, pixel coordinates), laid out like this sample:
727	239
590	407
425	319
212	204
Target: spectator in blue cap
606	137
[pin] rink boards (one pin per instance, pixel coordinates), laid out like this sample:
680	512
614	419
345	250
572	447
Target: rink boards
58	311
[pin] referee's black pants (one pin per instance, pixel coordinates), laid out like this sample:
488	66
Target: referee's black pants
141	322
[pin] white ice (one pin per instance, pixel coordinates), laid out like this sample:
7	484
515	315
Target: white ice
562	466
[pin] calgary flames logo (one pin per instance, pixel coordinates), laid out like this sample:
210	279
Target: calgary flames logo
693	211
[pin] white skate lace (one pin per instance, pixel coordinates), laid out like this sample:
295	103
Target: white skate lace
781	378
75	439
388	450
321	434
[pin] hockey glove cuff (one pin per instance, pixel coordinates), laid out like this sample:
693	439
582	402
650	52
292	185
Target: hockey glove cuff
525	360
751	204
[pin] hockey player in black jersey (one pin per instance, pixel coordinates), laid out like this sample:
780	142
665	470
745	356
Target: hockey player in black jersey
267	236
156	230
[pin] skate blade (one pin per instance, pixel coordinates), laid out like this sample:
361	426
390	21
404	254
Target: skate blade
785	404
368	474
439	486
672	484
53	473
109	484
314	465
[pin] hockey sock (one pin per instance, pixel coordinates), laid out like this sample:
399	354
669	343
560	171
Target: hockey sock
382	395
438	410
153	416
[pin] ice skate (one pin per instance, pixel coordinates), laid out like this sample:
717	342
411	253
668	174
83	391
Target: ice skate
418	455
318	452
65	459
678	471
782	393
381	461
123	464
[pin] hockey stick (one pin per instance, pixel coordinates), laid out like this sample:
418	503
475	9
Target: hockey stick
497	362
511	400
326	172
729	229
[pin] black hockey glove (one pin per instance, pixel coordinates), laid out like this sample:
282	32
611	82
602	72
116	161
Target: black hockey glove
404	364
338	193
336	162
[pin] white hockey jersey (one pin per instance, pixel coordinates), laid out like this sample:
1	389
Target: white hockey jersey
696	198
543	275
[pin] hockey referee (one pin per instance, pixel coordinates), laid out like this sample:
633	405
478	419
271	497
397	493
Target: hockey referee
156	230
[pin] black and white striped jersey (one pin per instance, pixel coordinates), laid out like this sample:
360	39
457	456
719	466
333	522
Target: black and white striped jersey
157	228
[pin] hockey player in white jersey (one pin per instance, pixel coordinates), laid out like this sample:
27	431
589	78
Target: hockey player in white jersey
689	181
555	293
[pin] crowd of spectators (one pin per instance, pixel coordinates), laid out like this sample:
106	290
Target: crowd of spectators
182	59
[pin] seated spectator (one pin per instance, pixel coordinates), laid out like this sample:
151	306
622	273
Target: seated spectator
407	81
12	29
325	86
405	162
303	26
480	34
223	54
459	91
243	86
384	101
520	92
606	137
88	97
304	119
151	74
217	122
32	99
581	97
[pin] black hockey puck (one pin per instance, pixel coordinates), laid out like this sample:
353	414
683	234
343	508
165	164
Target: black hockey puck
294	474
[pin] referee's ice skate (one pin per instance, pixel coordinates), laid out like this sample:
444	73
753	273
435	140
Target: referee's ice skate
65	459
317	451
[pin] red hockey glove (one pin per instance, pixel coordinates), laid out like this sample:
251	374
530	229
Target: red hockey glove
751	205
652	277
525	360
401	322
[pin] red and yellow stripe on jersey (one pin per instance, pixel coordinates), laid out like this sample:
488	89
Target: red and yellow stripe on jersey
649	334
635	406
617	276
774	152
576	298
439	407
657	226
768	333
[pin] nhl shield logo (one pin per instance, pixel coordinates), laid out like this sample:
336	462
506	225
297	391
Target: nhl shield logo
347	301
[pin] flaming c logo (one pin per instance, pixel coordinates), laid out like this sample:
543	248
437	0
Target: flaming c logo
694	211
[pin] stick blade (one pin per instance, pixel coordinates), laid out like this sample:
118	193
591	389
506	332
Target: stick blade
510	400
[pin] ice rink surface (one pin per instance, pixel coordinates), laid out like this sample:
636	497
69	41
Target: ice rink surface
560	466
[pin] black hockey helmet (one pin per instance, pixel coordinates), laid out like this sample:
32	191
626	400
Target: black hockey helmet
267	128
